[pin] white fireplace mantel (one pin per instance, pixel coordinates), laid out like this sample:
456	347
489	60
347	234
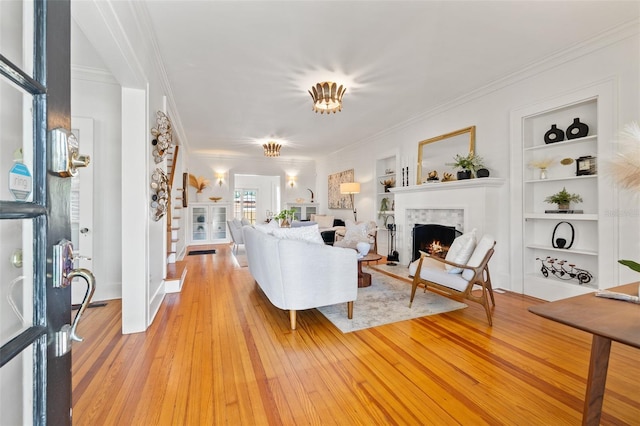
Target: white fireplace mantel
479	199
446	186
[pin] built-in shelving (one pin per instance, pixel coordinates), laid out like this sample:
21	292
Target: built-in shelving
535	230
208	223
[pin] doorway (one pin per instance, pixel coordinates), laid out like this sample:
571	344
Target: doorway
258	194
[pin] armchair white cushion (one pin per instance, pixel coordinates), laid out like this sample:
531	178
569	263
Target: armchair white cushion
432	273
461	250
235	229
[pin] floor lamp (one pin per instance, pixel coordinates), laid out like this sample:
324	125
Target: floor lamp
351	188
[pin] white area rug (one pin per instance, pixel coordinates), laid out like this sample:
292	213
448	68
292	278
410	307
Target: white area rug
387	301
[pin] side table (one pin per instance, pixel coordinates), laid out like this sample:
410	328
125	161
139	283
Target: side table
364	278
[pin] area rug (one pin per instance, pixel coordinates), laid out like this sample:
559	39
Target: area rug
196	252
387	301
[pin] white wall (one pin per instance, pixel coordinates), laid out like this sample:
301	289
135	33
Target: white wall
209	165
613	56
86	88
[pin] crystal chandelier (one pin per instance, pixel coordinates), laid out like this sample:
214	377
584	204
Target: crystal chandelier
327	97
271	149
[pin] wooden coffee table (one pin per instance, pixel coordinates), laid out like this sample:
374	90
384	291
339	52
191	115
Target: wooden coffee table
364	278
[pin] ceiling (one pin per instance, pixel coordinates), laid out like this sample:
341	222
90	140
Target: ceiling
239	71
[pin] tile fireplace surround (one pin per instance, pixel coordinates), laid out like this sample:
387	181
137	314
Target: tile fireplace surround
465	204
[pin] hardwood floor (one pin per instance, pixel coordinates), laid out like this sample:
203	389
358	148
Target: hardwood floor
220	353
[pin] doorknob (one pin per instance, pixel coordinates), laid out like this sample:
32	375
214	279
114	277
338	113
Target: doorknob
84	230
65	157
63	275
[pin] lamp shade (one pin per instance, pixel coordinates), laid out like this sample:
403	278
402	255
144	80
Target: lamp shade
350	188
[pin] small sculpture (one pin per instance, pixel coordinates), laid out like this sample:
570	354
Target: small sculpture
559	270
447	177
433	176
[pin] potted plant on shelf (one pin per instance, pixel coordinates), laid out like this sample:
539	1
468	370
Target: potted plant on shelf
199	183
468	165
563	199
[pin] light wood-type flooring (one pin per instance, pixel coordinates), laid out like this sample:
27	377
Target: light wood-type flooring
219	353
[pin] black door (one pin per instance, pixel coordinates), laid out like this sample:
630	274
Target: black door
36	162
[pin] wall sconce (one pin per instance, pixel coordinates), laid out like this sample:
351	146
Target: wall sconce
292	181
220	177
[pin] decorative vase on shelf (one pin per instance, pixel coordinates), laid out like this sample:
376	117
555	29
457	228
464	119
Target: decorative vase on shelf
482	173
553	135
464	174
577	129
543	173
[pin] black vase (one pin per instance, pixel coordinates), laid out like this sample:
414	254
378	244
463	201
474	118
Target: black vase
577	129
482	173
553	135
464	174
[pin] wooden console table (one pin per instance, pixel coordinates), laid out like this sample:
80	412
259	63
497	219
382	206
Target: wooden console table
608	320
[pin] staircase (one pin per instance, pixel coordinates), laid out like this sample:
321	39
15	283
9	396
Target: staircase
176	269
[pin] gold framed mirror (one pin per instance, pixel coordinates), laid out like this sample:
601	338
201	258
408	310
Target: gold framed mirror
434	153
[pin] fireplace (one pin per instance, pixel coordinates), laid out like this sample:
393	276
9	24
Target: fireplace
433	239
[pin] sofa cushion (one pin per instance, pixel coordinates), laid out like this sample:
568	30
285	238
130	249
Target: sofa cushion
461	250
304	233
245	221
300	223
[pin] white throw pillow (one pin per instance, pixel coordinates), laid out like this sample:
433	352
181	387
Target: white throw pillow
267	228
303	233
244	221
484	245
461	250
356	231
323	221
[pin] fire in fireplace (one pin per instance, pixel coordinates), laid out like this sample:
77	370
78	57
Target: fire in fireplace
433	239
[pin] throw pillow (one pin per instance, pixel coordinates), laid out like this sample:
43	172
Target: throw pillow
484	245
461	250
245	221
267	228
356	231
303	233
324	221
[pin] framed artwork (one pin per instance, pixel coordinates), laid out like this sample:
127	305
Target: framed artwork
337	200
185	190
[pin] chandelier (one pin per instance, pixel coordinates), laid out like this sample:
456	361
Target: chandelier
271	149
327	97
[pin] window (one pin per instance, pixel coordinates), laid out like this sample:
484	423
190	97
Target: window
244	204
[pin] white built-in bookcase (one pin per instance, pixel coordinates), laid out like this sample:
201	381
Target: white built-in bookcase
593	248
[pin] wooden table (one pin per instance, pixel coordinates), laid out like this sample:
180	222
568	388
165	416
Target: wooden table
608	320
364	278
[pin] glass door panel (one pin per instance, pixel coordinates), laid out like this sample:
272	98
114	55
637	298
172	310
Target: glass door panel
199	222
16	401
15	44
16	288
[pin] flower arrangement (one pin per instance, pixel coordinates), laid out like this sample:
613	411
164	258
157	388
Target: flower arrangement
625	168
563	199
388	183
285	214
471	162
199	183
545	163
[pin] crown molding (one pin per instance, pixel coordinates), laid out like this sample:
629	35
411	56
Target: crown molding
600	41
98	75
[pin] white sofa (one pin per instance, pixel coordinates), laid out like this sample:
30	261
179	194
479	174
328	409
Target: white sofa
297	274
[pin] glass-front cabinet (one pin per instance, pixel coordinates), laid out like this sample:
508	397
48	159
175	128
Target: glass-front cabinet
303	211
208	223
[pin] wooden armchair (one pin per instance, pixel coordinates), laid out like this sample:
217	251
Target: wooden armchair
431	272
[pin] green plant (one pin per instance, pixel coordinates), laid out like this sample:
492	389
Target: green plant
470	161
563	197
630	264
285	214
